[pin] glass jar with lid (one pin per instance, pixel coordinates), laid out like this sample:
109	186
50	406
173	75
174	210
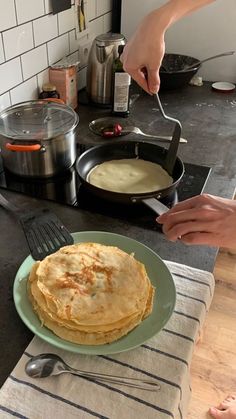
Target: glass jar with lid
49	91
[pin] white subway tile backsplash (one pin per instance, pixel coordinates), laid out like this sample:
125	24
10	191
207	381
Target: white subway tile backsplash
66	20
74	43
7	14
34	61
18	40
107	22
29	9
32	38
58	48
10	75
42	78
25	91
104	6
96	26
73	58
1	51
45	29
5	101
91	9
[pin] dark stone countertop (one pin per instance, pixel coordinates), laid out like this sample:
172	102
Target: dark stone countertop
209	124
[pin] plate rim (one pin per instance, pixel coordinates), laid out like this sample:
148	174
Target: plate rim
105	349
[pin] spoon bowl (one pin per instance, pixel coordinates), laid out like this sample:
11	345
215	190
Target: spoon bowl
47	365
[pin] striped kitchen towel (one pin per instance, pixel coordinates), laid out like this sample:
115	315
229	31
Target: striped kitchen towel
165	358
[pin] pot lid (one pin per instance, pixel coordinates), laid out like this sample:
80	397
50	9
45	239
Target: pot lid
37	120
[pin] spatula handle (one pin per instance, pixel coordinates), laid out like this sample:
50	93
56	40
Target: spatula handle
8	205
174	144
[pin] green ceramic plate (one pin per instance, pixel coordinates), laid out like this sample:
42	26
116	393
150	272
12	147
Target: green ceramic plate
158	273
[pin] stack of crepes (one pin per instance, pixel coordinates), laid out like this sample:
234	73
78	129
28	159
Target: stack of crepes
89	293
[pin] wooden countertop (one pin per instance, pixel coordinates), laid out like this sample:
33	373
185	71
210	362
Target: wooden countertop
213	368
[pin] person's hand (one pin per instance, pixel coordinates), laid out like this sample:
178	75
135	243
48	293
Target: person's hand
204	219
142	56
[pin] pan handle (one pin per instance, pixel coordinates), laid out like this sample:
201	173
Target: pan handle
8	205
174	144
156	205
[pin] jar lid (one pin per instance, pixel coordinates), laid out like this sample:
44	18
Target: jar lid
109	38
49	87
37	120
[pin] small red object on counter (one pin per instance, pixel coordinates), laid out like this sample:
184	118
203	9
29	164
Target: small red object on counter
117	129
109	133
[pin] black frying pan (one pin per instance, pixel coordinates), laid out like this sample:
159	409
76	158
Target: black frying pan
128	150
135	149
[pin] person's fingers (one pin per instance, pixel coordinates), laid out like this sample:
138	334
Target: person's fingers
153	80
181	229
217	414
181	206
227	402
194	202
230	397
140	78
223	405
194	220
195	214
201	239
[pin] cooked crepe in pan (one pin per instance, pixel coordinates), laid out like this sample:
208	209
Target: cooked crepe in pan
89	293
129	176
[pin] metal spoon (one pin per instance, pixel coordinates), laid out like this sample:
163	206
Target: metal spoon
161	138
46	365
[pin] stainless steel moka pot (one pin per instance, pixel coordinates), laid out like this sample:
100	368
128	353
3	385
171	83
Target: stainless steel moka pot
103	52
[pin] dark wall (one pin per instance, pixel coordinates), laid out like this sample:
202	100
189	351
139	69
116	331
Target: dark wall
116	15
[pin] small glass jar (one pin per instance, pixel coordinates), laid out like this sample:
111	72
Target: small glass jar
49	91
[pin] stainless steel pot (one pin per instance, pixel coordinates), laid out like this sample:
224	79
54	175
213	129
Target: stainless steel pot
37	138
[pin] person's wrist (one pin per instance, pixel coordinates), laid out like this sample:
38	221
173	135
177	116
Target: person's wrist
160	19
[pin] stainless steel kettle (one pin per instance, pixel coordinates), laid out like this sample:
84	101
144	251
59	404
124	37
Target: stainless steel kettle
103	52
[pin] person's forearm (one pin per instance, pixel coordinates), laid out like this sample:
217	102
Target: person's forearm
174	10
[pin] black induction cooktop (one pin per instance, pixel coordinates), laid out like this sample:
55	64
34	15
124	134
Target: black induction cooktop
67	189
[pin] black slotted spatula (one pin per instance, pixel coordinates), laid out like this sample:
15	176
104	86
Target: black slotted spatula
44	232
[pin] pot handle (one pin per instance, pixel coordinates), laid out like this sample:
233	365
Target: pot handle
15	147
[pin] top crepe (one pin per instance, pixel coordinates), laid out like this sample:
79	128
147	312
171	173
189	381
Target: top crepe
129	176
